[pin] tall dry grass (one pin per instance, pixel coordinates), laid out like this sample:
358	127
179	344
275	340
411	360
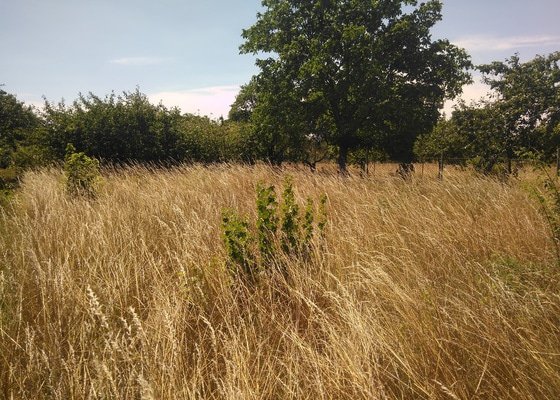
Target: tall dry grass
419	290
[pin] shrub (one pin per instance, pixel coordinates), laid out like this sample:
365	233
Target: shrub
290	210
82	173
267	221
236	239
8	178
292	237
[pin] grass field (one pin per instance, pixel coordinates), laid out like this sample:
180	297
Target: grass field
424	289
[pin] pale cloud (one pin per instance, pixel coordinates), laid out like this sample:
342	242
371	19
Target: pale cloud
212	101
484	43
138	61
471	93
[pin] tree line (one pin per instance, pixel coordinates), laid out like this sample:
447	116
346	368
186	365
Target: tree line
116	129
341	80
520	119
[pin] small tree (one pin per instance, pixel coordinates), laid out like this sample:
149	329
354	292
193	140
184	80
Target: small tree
82	173
289	234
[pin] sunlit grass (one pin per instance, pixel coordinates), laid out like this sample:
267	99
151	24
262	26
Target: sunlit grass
420	289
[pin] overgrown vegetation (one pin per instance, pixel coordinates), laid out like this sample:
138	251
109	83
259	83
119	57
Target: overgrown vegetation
277	236
411	288
354	75
418	290
82	175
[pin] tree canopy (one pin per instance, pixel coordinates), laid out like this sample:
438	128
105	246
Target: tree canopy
16	122
521	117
527	98
355	72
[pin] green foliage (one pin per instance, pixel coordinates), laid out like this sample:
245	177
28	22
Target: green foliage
276	121
527	102
351	72
18	124
82	173
307	223
5	197
8	182
115	128
267	220
322	214
364	156
128	128
444	139
290	237
29	156
244	104
8	178
522	117
236	239
290	211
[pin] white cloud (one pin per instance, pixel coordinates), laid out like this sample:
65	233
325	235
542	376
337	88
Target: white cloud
212	101
138	61
472	92
492	43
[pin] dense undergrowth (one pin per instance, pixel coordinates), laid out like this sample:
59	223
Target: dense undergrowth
419	289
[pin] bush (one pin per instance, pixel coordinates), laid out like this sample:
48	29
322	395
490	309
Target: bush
82	173
267	221
277	237
236	237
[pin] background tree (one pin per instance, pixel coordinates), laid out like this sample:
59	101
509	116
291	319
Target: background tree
521	116
116	128
527	97
364	66
244	104
17	125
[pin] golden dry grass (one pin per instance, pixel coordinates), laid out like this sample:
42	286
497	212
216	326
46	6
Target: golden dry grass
420	290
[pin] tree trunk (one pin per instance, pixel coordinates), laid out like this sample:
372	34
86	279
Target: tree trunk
312	165
342	159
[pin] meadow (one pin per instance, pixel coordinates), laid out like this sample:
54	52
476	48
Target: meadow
419	289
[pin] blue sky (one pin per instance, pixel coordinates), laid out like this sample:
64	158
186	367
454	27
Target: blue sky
185	52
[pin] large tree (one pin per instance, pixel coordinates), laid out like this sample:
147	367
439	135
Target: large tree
361	68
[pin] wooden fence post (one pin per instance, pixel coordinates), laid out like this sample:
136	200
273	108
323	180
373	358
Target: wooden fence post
440	165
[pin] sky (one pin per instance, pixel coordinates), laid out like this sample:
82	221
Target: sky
185	53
